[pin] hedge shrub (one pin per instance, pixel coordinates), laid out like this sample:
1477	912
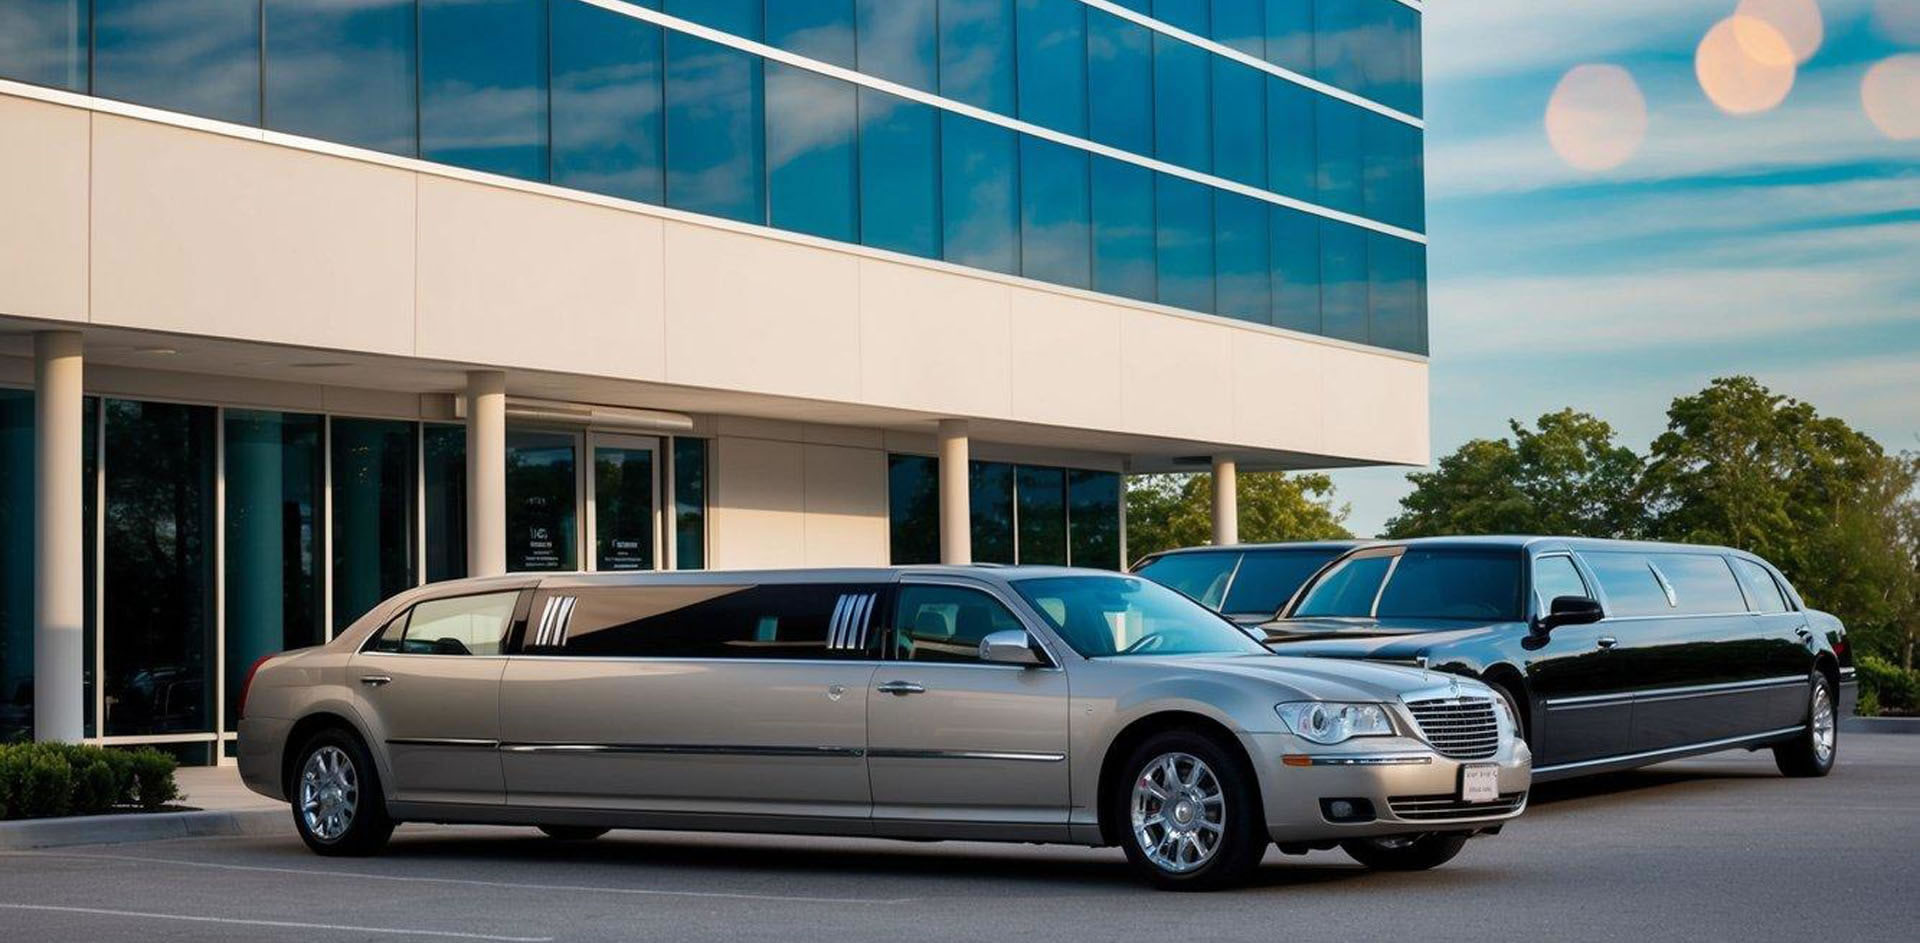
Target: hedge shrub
39	780
1886	687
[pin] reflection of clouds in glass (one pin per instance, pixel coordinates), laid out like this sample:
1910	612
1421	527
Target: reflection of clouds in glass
44	43
1596	118
468	117
1890	93
1797	21
197	56
1898	20
1744	65
895	39
806	112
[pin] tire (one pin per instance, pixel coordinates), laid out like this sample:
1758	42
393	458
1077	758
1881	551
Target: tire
573	832
1188	811
1812	752
1406	852
338	806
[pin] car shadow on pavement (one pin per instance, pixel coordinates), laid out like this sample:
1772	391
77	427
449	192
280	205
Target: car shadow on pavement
961	860
1632	781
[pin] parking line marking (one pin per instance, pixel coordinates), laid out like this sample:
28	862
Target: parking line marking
470	882
282	924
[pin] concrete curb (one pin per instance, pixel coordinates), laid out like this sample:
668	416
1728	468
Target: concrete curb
1880	725
139	827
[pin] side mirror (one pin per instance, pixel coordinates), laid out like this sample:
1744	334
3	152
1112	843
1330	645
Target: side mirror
1569	610
1009	647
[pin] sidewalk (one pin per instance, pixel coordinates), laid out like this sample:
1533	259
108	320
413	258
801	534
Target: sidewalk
222	807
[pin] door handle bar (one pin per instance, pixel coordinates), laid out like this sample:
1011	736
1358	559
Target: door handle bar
900	688
374	681
1606	641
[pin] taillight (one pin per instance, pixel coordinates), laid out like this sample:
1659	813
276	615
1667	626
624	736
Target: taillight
240	709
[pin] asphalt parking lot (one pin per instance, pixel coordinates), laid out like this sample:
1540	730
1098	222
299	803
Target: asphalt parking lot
1719	848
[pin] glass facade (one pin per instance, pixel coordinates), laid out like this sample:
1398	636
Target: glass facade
689	484
566	92
16	565
374	489
1021	513
443	452
274	473
543	480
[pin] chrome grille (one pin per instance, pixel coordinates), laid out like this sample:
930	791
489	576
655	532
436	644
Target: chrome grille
1463	728
1439	808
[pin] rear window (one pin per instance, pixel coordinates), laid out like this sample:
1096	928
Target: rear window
1267	579
1630	584
1656	584
1201	577
1701	582
1422	584
1762	591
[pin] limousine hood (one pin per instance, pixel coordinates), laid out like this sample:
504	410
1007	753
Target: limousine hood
1371	638
1308	678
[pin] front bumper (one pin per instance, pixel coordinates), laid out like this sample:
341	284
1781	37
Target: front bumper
1410	787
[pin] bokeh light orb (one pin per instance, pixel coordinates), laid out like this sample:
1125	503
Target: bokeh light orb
1596	118
1890	93
1744	65
1797	21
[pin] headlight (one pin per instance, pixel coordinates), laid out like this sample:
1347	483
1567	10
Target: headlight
1330	722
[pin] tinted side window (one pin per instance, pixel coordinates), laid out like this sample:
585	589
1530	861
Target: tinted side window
1453	584
792	620
946	623
1201	577
1701	582
1631	587
1267	578
1763	594
1347	590
1553	577
459	625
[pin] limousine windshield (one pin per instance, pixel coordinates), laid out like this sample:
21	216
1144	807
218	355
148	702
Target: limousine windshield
1124	615
1418	584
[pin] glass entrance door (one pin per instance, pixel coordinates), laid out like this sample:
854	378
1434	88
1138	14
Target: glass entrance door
623	502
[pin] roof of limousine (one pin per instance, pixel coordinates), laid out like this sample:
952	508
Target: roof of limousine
989	572
1270	545
1535	541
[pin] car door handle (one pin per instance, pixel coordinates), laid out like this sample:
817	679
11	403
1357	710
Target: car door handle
374	681
1806	634
1606	641
900	688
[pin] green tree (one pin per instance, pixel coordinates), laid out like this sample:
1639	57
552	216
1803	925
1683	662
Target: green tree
1743	466
1169	511
1566	476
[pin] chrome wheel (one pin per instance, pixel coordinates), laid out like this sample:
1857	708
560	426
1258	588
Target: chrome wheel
1179	812
1823	723
329	793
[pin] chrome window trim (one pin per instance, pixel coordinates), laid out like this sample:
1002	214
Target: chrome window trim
905	754
687	749
1674	693
1666	586
1542	605
1233	576
1393	564
1669	751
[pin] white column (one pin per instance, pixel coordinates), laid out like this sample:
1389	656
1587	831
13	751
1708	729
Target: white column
1226	502
486	473
956	517
59	551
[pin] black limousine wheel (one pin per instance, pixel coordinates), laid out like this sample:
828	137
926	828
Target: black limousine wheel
573	832
1406	852
337	804
1189	813
1812	752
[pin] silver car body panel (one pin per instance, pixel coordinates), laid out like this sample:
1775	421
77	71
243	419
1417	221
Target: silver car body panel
855	747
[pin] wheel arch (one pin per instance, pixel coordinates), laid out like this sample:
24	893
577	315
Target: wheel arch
1508	678
303	730
1135	733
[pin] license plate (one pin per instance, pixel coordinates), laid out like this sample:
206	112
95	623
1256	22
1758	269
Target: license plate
1479	783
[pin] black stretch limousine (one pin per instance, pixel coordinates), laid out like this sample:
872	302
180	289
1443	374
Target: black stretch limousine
1616	653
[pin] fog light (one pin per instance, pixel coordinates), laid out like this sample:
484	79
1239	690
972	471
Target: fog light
1340	809
1347	810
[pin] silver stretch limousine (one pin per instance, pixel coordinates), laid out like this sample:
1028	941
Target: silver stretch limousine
1018	704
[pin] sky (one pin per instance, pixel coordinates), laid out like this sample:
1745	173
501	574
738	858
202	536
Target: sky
1784	244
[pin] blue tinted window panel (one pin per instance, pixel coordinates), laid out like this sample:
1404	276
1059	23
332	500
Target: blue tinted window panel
1193	16
913	509
740	17
817	29
1340	154
715	146
1393	64
1392	181
812	158
899	174
977	53
990	492
609	131
898	41
1293	166
199	58
1123	232
1343	281
1055	226
16	564
1242	25
45	42
1182	129
343	72
1120	66
1052	65
1289	25
1184	242
1239	122
979	204
1339	40
483	85
1396	293
1241	258
1294	239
